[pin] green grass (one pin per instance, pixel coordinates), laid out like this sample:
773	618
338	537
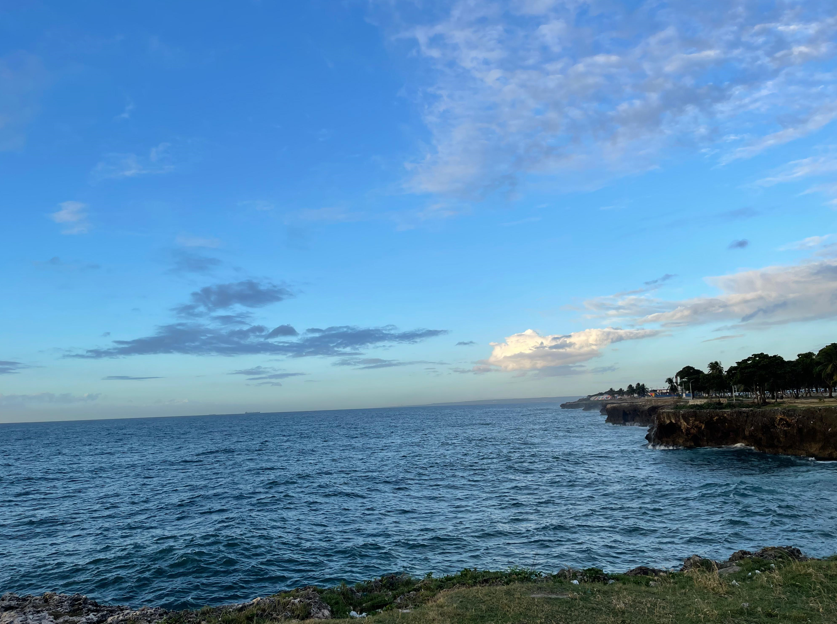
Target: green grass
789	592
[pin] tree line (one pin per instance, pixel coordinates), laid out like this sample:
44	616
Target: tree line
761	376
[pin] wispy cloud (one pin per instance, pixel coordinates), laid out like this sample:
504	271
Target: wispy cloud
772	295
57	264
185	261
125	115
46	397
23	79
266	376
11	368
73	216
812	242
822	167
163	158
377	363
729	337
127	378
580	86
739	244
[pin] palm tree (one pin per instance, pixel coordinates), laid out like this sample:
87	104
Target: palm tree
672	385
827	366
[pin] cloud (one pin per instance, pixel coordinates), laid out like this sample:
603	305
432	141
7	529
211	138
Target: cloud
127	378
466	343
739	244
282	330
760	297
58	264
548	88
197	241
247	293
823	167
265	374
46	397
530	350
376	363
125	115
184	262
198	338
812	242
23	79
730	337
164	158
11	368
660	280
73	216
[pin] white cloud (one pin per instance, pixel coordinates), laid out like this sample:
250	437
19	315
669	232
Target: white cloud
543	87
163	158
758	298
822	166
812	242
530	350
73	216
125	115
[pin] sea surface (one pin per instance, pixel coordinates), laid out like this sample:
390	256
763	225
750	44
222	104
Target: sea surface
184	512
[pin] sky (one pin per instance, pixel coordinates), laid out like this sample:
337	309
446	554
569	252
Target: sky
219	207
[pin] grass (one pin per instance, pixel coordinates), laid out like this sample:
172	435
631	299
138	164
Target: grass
762	591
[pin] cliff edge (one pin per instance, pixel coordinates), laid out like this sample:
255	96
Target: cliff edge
800	431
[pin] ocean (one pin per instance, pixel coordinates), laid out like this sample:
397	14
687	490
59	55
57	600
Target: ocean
186	512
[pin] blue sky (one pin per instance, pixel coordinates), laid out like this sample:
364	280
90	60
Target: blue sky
219	207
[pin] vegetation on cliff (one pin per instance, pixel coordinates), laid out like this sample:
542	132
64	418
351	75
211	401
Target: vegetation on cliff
761	376
771	585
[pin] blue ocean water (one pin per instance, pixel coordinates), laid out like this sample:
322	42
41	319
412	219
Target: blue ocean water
183	512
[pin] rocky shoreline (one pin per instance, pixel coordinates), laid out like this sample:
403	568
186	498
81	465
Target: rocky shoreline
387	593
802	432
808	431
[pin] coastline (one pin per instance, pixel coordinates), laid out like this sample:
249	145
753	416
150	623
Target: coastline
749	585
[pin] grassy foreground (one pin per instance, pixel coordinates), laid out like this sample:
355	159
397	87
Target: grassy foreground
761	591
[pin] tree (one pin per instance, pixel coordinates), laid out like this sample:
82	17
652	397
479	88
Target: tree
827	366
806	368
760	372
715	380
672	385
630	390
690	377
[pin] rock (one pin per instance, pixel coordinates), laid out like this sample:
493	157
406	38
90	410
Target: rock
645	571
696	562
640	413
770	553
732	569
800	431
53	608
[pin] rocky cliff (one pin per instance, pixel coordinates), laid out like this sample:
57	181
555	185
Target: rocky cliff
583	404
801	431
640	414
